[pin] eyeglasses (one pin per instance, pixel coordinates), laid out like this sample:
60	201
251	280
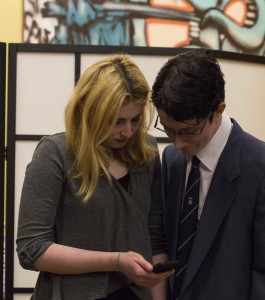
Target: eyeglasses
185	133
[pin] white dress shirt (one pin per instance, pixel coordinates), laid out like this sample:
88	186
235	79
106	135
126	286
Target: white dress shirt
209	156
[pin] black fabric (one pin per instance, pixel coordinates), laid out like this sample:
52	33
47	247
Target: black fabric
124	181
122	294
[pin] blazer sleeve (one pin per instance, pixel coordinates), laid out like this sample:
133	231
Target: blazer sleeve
258	272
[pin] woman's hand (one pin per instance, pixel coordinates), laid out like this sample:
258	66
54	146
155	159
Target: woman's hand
138	270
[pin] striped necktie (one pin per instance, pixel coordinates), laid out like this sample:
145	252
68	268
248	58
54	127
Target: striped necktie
189	220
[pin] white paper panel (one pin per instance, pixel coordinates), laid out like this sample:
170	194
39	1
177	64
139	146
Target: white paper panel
44	84
88	59
245	94
22	296
24	152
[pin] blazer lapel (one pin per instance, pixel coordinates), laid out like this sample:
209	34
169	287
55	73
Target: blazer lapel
219	198
176	192
173	191
174	165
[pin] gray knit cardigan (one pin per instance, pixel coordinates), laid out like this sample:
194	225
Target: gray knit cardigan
112	220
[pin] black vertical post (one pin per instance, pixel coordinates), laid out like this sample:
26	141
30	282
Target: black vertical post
2	158
10	177
77	66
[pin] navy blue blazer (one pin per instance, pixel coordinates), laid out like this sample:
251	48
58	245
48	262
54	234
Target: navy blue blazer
227	260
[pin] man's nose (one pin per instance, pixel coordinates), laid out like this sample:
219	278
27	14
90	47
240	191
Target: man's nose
178	142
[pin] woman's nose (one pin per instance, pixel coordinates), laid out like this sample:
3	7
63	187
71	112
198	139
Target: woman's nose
127	130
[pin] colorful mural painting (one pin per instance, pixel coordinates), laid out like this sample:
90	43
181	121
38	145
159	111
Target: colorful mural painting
227	25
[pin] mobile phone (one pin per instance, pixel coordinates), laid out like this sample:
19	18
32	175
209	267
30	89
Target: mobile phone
165	266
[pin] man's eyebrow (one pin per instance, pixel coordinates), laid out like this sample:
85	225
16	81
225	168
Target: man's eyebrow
181	129
191	127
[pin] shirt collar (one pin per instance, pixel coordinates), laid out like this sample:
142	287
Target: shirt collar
210	154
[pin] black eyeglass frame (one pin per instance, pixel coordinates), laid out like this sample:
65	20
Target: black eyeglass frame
173	133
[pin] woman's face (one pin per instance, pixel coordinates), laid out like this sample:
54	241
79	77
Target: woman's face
128	121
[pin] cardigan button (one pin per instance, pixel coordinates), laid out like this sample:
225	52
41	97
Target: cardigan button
23	255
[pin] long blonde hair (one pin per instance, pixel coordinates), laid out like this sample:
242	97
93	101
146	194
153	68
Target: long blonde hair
92	112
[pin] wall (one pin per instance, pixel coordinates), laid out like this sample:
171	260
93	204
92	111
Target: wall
248	114
11	21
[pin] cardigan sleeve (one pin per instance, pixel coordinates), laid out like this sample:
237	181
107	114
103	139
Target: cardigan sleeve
156	216
39	201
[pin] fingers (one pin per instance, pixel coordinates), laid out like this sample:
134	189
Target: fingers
152	279
135	260
137	269
144	264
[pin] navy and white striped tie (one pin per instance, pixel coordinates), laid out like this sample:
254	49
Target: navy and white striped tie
189	220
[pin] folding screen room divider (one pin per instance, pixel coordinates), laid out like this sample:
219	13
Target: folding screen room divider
40	81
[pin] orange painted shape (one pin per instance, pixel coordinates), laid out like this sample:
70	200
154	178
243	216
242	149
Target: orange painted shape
182	5
167	33
236	10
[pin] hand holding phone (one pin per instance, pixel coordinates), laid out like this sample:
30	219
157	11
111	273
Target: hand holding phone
165	266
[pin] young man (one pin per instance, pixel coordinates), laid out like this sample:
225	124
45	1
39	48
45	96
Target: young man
216	229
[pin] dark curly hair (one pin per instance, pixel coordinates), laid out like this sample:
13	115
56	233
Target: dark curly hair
189	85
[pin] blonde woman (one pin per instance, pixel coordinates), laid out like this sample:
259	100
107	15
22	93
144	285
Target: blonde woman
91	212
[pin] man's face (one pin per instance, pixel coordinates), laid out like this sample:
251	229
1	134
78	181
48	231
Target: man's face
190	145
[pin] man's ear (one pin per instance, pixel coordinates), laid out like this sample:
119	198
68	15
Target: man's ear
220	108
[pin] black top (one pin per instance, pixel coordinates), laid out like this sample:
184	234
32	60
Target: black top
124	181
